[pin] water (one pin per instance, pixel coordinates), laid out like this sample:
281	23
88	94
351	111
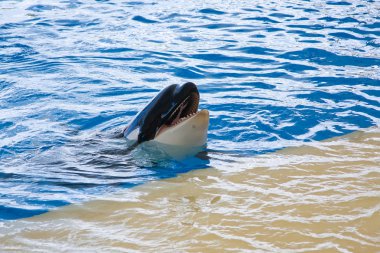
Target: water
273	75
322	197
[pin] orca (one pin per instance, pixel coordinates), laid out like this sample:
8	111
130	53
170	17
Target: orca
171	118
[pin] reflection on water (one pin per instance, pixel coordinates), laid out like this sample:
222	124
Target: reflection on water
323	197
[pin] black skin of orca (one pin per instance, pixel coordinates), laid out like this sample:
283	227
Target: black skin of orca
159	111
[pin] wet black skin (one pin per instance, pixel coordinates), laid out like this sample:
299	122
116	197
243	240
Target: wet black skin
160	111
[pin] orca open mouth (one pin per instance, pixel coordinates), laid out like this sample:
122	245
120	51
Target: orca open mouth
185	110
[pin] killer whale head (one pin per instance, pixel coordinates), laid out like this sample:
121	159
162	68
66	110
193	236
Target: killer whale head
172	118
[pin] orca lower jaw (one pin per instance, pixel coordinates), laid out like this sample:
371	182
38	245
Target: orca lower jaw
190	131
165	127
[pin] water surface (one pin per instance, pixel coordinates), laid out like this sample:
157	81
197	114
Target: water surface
273	75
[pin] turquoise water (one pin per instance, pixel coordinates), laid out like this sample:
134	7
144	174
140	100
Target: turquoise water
73	73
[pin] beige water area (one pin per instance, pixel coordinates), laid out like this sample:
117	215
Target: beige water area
324	197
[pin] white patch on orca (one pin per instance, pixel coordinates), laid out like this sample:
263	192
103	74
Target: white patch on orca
133	136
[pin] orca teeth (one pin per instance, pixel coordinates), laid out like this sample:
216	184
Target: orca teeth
184	118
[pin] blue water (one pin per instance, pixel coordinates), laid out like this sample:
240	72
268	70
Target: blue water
72	73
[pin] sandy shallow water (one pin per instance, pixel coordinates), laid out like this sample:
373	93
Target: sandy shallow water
322	197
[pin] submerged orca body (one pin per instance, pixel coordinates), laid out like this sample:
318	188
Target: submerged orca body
171	118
